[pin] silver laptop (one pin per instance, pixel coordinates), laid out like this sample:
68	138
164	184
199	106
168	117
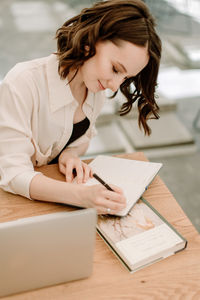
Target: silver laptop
46	250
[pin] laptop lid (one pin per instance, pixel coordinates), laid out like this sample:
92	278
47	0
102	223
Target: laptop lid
46	250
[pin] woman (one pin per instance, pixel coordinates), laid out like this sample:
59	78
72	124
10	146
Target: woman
49	105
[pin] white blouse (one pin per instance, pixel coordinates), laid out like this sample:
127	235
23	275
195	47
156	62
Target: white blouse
36	120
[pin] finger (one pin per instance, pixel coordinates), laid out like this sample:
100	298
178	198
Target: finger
79	172
113	205
106	211
69	172
104	204
91	173
102	210
117	189
115	197
62	168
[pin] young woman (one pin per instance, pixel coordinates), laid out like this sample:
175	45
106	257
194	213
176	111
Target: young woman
49	105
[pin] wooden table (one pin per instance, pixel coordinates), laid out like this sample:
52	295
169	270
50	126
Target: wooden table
176	277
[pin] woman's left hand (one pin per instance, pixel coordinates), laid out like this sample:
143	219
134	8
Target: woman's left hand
69	162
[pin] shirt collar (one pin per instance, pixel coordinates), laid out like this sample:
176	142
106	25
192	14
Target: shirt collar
59	91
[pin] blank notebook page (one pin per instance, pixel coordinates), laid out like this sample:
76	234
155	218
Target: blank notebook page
131	175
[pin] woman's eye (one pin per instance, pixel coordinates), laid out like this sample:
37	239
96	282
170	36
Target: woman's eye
114	70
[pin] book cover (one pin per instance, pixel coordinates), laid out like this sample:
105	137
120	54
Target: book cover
141	238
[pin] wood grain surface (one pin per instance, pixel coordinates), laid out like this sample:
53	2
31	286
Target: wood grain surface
176	277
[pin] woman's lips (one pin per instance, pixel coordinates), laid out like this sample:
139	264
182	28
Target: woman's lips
101	86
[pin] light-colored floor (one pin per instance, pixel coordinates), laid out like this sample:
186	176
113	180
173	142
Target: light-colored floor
27	30
181	172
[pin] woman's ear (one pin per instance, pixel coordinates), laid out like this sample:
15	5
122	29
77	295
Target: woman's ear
87	49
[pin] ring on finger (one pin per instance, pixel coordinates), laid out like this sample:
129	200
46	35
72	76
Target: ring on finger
108	210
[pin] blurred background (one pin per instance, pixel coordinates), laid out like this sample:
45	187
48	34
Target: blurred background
27	30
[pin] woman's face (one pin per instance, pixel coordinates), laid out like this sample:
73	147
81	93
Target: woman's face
112	64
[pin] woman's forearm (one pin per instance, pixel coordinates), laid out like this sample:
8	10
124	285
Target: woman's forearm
46	189
51	190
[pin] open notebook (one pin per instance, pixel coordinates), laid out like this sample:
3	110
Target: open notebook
133	176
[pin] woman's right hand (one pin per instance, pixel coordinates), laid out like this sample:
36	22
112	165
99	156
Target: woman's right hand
80	195
105	201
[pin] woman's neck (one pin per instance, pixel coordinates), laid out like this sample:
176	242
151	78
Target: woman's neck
77	86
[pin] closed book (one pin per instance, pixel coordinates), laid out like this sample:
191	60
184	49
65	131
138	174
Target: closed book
141	238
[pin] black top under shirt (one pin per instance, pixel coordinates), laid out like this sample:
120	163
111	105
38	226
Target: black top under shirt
78	130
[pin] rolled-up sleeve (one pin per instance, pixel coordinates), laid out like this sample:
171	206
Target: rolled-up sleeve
16	148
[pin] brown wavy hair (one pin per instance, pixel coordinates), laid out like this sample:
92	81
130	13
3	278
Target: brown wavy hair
114	20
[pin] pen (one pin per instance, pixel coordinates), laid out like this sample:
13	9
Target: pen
102	182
